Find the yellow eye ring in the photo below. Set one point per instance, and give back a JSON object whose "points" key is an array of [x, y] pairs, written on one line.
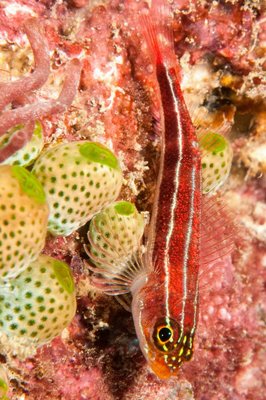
{"points": [[164, 334]]}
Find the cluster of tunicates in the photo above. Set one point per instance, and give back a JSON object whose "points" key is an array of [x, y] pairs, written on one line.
{"points": [[67, 185]]}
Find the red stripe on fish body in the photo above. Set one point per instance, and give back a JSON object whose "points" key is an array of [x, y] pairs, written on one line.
{"points": [[166, 306], [165, 300], [164, 285], [175, 243]]}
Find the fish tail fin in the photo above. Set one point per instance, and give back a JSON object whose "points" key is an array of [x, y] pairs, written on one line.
{"points": [[156, 27]]}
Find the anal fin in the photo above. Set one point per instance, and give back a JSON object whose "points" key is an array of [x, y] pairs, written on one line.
{"points": [[218, 230]]}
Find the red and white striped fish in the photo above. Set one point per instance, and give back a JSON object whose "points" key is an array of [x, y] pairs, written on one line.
{"points": [[165, 284], [165, 308]]}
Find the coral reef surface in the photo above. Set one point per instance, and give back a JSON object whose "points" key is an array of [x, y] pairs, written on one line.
{"points": [[221, 46]]}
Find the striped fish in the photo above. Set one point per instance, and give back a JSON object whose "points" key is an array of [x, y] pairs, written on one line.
{"points": [[165, 284], [173, 254]]}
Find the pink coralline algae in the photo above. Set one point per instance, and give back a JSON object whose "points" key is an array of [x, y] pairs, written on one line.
{"points": [[222, 49]]}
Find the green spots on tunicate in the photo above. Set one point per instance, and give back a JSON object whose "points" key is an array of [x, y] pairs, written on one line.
{"points": [[29, 184], [90, 179], [38, 313], [98, 153], [40, 299], [125, 208], [213, 142], [64, 276]]}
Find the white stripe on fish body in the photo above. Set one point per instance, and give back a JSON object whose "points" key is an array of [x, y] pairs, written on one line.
{"points": [[187, 244], [174, 200], [195, 305]]}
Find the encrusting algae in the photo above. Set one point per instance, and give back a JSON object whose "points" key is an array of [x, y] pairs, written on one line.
{"points": [[80, 182]]}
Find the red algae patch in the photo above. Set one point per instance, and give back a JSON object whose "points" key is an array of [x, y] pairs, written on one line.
{"points": [[222, 50]]}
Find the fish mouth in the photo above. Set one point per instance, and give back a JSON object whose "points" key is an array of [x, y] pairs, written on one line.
{"points": [[162, 370], [167, 365]]}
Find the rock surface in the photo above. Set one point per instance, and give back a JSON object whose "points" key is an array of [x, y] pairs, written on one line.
{"points": [[222, 50]]}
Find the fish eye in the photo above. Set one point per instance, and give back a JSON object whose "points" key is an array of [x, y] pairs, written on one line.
{"points": [[164, 333]]}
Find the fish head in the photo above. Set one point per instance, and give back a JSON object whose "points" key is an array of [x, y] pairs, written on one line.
{"points": [[162, 341], [167, 347]]}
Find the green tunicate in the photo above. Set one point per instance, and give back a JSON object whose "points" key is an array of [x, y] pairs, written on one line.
{"points": [[64, 275], [217, 154], [98, 153], [125, 208], [115, 237], [29, 184], [213, 142], [42, 300], [79, 179]]}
